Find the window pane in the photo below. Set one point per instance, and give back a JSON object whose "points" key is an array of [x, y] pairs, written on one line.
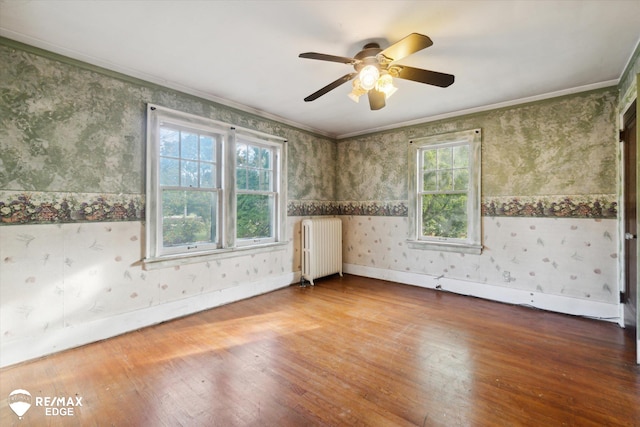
{"points": [[241, 155], [189, 218], [169, 172], [189, 174], [461, 156], [241, 179], [429, 160], [461, 179], [207, 175], [445, 180], [254, 216], [265, 155], [444, 215], [189, 146], [169, 142], [444, 158], [207, 148], [429, 182], [254, 179], [265, 181], [253, 156]]}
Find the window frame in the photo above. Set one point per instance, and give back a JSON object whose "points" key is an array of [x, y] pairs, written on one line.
{"points": [[472, 243], [219, 135], [156, 256], [276, 154]]}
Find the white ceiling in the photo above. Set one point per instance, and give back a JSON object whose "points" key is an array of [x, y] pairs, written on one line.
{"points": [[245, 53]]}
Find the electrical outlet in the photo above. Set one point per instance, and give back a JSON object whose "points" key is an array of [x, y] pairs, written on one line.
{"points": [[506, 275]]}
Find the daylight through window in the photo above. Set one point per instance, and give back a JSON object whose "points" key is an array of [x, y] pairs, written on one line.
{"points": [[445, 192], [211, 187]]}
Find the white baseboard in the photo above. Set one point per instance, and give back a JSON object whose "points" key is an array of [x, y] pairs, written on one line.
{"points": [[556, 303], [32, 347]]}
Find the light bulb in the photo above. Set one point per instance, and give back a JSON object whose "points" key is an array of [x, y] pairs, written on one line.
{"points": [[354, 97], [368, 77], [357, 91], [385, 84]]}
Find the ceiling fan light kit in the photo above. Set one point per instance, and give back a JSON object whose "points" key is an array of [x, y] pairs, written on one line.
{"points": [[369, 77], [375, 70]]}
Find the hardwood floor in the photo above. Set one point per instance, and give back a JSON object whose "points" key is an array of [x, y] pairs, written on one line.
{"points": [[349, 351]]}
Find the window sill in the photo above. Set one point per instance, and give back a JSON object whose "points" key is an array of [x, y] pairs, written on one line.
{"points": [[459, 247], [183, 259]]}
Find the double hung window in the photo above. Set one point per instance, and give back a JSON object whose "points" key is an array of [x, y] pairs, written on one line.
{"points": [[256, 197], [211, 188], [445, 192], [189, 187]]}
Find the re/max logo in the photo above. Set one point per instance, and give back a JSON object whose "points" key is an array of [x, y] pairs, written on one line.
{"points": [[59, 406], [58, 401]]}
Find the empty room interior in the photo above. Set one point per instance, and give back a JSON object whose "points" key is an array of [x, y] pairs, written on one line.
{"points": [[296, 213]]}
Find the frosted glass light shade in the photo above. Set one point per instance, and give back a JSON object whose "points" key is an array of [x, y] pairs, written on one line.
{"points": [[368, 77]]}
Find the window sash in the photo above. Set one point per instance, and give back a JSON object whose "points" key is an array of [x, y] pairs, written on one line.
{"points": [[248, 232], [194, 225], [424, 164], [220, 188], [440, 169], [245, 228]]}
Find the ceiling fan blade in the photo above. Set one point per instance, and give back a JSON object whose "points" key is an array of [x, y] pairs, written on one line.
{"points": [[425, 76], [324, 57], [330, 87], [376, 99], [405, 47]]}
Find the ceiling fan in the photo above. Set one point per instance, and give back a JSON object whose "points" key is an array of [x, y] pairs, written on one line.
{"points": [[375, 69]]}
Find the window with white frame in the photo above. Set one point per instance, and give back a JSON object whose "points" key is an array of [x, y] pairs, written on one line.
{"points": [[212, 188], [256, 198], [444, 189], [189, 188]]}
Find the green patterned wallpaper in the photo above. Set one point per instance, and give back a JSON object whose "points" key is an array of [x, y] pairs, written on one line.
{"points": [[72, 140], [549, 158], [628, 85], [561, 146]]}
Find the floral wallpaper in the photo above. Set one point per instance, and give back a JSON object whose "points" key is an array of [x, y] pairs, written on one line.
{"points": [[580, 206], [72, 140], [549, 199], [564, 206], [72, 143], [560, 146], [60, 275], [40, 207], [562, 256], [68, 127], [72, 149]]}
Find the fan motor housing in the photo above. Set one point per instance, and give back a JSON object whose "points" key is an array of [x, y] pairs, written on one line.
{"points": [[367, 56]]}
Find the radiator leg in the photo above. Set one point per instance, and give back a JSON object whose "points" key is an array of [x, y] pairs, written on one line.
{"points": [[302, 285]]}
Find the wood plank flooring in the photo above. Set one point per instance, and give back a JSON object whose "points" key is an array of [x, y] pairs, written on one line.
{"points": [[348, 352]]}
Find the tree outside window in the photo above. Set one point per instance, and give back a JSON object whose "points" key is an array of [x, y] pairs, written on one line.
{"points": [[211, 187], [445, 192]]}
